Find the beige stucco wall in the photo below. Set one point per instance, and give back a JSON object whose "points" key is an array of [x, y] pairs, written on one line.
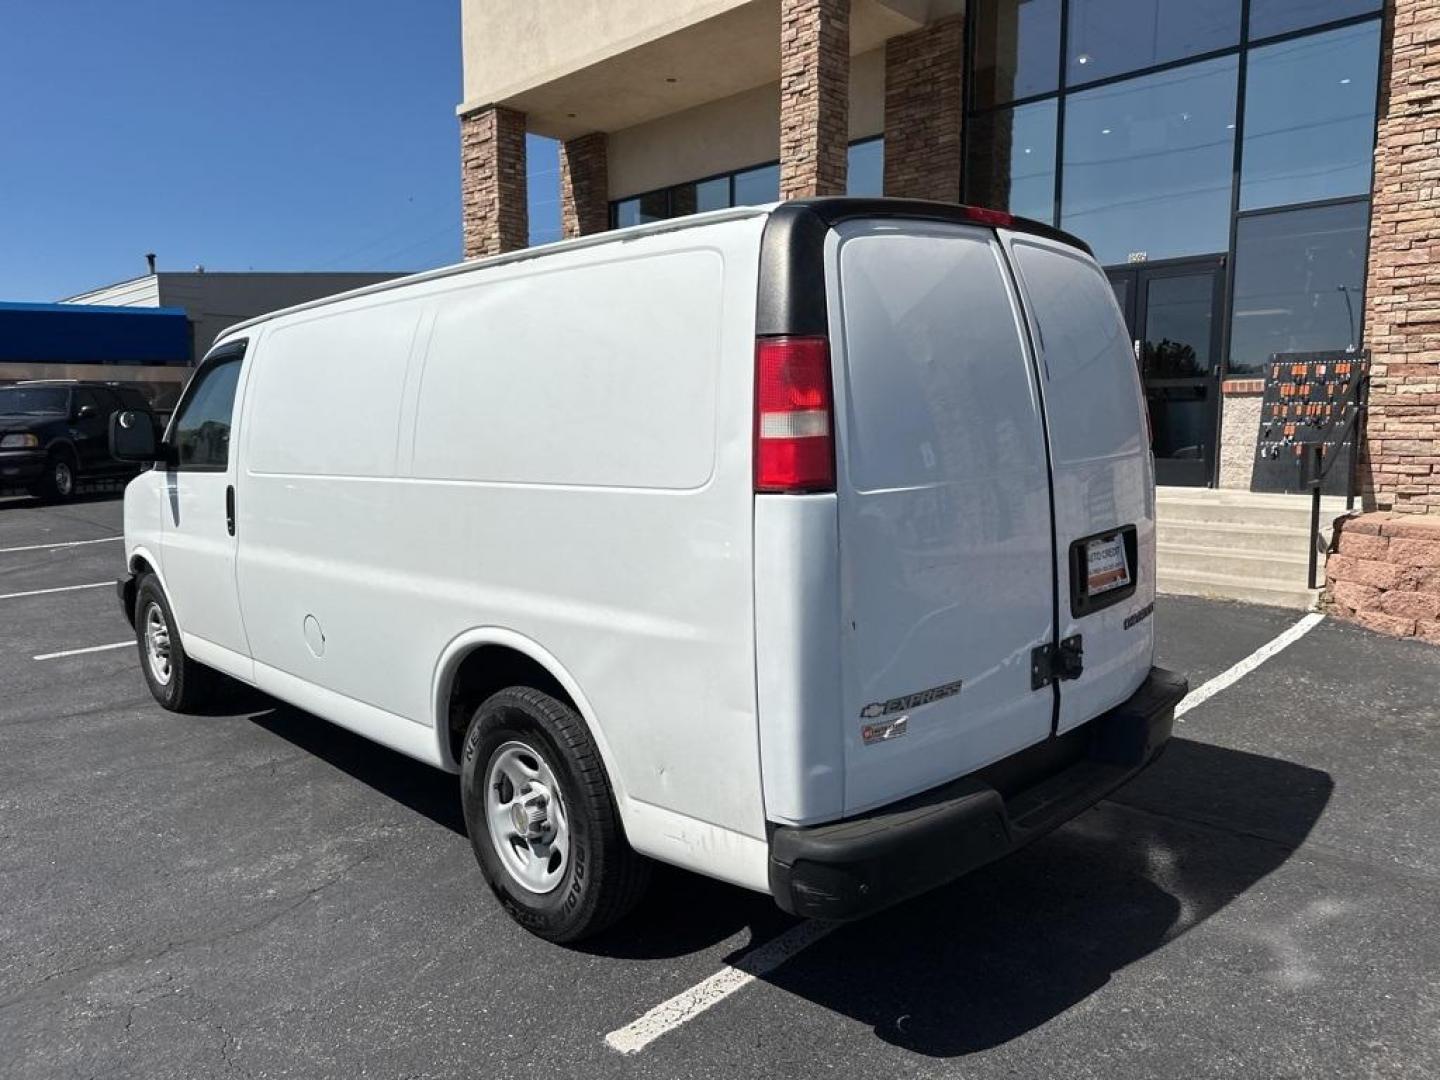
{"points": [[732, 133], [1239, 428], [512, 45]]}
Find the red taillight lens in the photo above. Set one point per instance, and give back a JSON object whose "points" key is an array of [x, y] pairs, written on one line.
{"points": [[794, 421], [981, 215]]}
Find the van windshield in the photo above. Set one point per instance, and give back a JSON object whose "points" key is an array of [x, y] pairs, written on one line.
{"points": [[33, 401]]}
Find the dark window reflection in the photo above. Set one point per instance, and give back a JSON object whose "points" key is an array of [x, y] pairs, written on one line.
{"points": [[202, 430], [865, 169], [1147, 163], [712, 194], [760, 185], [1268, 17], [1310, 117], [1017, 50], [1299, 282], [652, 207], [1011, 164], [1110, 37], [1179, 311]]}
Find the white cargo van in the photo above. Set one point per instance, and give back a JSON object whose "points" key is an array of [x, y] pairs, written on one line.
{"points": [[809, 547]]}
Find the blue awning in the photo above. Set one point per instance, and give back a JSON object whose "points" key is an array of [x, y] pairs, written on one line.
{"points": [[93, 334]]}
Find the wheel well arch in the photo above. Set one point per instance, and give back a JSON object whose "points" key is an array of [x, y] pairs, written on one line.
{"points": [[138, 563], [480, 662], [61, 446]]}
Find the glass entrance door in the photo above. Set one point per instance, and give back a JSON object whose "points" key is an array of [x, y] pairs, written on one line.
{"points": [[1173, 311]]}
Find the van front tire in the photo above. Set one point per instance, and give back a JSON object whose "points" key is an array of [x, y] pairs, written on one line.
{"points": [[542, 818], [176, 681]]}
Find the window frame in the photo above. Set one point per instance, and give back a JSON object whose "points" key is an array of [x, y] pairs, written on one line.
{"points": [[1241, 49], [231, 351]]}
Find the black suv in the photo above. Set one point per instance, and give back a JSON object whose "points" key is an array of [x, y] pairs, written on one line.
{"points": [[53, 434]]}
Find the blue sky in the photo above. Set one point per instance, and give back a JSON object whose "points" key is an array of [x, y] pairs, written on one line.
{"points": [[237, 134]]}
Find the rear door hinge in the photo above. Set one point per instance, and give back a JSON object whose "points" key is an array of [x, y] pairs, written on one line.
{"points": [[1051, 663]]}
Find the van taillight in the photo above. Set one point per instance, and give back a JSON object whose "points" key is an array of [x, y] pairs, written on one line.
{"points": [[794, 421]]}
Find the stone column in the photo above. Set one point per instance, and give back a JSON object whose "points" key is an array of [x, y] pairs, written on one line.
{"points": [[814, 97], [493, 206], [924, 101], [1401, 465], [584, 185]]}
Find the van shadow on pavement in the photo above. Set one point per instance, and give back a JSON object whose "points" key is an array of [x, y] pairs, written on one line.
{"points": [[999, 953], [995, 954]]}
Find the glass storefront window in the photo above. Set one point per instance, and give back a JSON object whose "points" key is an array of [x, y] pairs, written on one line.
{"points": [[1011, 161], [1146, 171], [1111, 37], [760, 185], [1270, 17], [1017, 50], [1310, 117], [1299, 282], [637, 211], [865, 168]]}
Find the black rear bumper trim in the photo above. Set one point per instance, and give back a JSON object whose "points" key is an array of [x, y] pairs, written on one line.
{"points": [[851, 868]]}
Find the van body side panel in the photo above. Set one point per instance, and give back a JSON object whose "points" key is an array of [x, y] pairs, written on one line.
{"points": [[322, 546], [797, 657], [946, 564], [1103, 470], [578, 473]]}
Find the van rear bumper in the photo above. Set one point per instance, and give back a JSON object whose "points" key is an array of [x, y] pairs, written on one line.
{"points": [[853, 867]]}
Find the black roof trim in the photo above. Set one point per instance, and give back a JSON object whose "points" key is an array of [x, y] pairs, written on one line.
{"points": [[791, 296]]}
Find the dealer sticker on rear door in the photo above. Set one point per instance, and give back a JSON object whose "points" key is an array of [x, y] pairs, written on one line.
{"points": [[1106, 567]]}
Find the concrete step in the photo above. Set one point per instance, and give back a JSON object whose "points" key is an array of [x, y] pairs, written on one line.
{"points": [[1286, 569], [1229, 587], [1234, 497], [1222, 537], [1295, 515]]}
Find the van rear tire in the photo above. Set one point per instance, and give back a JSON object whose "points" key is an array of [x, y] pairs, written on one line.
{"points": [[177, 682], [542, 818]]}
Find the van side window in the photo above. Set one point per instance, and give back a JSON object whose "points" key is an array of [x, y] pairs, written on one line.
{"points": [[201, 435]]}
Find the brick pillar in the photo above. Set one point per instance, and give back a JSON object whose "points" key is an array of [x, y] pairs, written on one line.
{"points": [[814, 97], [924, 110], [584, 185], [492, 181], [1401, 465]]}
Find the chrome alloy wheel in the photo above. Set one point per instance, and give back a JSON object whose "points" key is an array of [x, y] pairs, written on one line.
{"points": [[63, 477], [529, 828], [157, 644]]}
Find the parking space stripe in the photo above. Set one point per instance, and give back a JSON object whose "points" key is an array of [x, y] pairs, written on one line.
{"points": [[688, 1004], [1235, 672], [61, 588], [67, 543], [79, 652]]}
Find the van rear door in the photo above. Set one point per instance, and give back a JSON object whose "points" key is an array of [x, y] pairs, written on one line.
{"points": [[1102, 468], [946, 553]]}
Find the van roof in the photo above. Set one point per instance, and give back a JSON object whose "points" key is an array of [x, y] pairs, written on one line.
{"points": [[829, 210]]}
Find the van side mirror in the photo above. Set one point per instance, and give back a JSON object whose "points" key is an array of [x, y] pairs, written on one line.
{"points": [[84, 412], [132, 437]]}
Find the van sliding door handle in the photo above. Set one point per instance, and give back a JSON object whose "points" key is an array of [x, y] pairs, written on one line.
{"points": [[230, 509]]}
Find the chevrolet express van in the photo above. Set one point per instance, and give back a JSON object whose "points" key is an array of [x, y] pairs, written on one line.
{"points": [[809, 547]]}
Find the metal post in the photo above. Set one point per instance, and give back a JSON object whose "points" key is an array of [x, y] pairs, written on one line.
{"points": [[1316, 483]]}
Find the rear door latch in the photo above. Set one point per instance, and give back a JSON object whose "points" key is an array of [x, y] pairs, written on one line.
{"points": [[1051, 663]]}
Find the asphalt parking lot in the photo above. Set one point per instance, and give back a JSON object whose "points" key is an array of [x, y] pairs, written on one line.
{"points": [[257, 893]]}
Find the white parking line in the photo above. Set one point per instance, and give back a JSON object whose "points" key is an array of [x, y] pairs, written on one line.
{"points": [[1234, 673], [688, 1004], [78, 652], [62, 588], [67, 543]]}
